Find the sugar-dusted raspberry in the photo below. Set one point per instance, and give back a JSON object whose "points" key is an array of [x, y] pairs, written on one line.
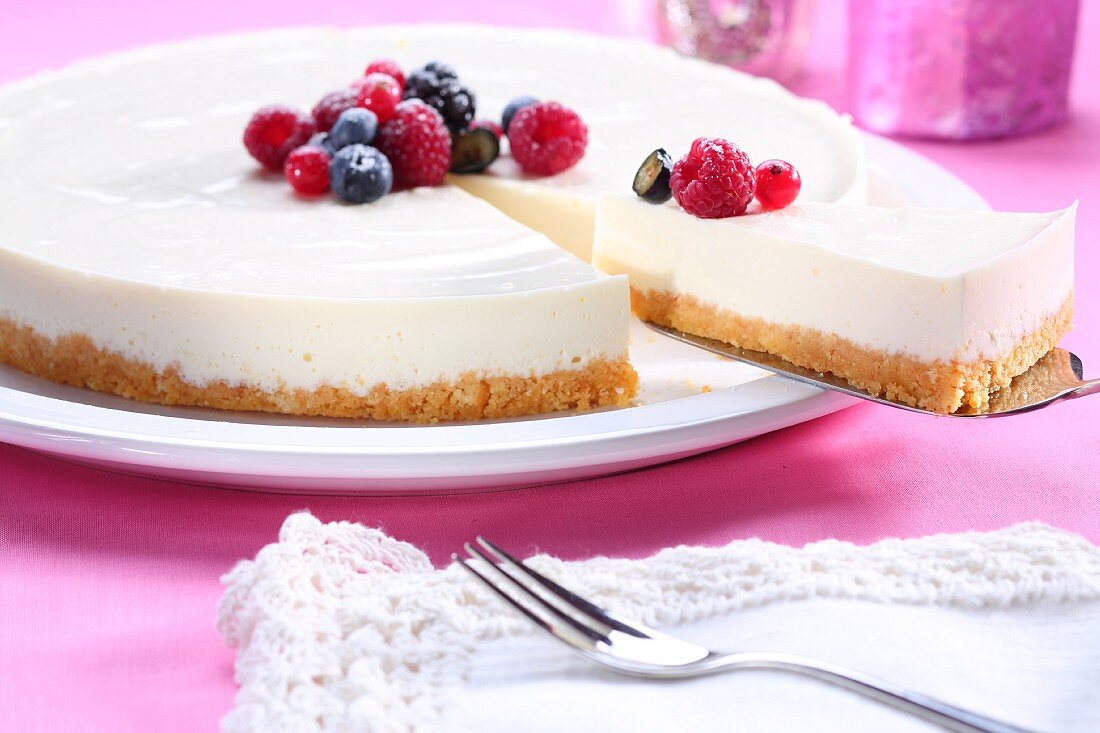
{"points": [[417, 143], [387, 66], [487, 125], [714, 180], [547, 138], [274, 131], [777, 184], [379, 93], [327, 111], [306, 169]]}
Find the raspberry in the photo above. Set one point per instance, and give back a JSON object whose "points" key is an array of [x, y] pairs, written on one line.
{"points": [[547, 138], [274, 131], [379, 93], [306, 170], [326, 112], [389, 67], [487, 125], [417, 143], [714, 180], [777, 184]]}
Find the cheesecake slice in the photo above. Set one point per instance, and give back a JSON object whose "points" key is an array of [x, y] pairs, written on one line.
{"points": [[932, 307]]}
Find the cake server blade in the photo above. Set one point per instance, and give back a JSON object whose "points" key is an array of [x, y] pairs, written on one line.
{"points": [[1055, 377]]}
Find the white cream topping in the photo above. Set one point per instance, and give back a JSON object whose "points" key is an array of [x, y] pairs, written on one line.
{"points": [[935, 284], [133, 214]]}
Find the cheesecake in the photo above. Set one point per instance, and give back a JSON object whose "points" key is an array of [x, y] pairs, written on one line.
{"points": [[935, 308], [143, 253]]}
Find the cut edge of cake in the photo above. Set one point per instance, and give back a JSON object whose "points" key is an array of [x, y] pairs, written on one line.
{"points": [[75, 360], [970, 332], [939, 386]]}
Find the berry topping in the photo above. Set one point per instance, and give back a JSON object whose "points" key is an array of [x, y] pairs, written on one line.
{"points": [[473, 150], [274, 131], [388, 67], [306, 170], [510, 111], [777, 184], [379, 93], [547, 138], [355, 125], [438, 85], [331, 105], [417, 143], [651, 180], [487, 125], [714, 180], [360, 174]]}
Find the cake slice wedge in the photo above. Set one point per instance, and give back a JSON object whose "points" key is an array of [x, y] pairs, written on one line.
{"points": [[936, 308]]}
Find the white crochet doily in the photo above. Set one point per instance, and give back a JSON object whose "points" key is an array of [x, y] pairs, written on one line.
{"points": [[341, 628]]}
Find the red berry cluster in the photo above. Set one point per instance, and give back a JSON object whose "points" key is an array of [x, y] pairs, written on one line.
{"points": [[716, 179]]}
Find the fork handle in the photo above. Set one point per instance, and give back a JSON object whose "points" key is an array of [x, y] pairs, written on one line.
{"points": [[928, 708], [1091, 386]]}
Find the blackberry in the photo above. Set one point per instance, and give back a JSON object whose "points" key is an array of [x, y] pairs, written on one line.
{"points": [[437, 84]]}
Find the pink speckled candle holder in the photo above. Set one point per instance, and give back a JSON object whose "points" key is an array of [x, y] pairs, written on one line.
{"points": [[763, 37], [960, 69]]}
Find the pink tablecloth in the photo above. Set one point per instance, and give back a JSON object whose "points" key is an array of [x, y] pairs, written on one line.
{"points": [[109, 583]]}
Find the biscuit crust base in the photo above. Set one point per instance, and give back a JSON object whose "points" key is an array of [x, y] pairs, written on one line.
{"points": [[74, 359], [941, 386]]}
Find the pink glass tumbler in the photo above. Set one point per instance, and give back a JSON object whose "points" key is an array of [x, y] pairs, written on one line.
{"points": [[960, 69]]}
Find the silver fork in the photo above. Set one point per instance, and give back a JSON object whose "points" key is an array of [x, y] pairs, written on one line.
{"points": [[630, 648]]}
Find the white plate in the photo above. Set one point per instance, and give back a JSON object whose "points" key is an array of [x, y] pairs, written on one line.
{"points": [[677, 417]]}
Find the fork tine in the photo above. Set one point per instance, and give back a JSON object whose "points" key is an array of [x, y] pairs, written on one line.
{"points": [[555, 614], [538, 620], [569, 597]]}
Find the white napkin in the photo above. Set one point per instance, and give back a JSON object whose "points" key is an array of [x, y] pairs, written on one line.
{"points": [[342, 628]]}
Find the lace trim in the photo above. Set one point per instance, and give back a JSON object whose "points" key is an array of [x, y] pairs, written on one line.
{"points": [[341, 627]]}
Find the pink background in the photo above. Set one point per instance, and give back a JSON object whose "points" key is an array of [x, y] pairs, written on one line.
{"points": [[109, 583]]}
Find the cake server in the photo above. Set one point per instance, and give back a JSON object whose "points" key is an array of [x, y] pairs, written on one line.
{"points": [[627, 647], [1055, 377]]}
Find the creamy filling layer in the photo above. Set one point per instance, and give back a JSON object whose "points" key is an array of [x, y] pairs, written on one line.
{"points": [[933, 285], [275, 342]]}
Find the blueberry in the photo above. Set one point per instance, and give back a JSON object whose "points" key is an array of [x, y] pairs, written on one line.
{"points": [[355, 125], [514, 106], [473, 150], [651, 182], [360, 174], [321, 140]]}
